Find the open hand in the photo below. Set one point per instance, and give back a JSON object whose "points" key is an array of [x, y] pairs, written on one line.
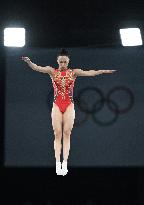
{"points": [[26, 59], [109, 71]]}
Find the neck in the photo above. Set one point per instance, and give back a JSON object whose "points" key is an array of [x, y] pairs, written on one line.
{"points": [[62, 69]]}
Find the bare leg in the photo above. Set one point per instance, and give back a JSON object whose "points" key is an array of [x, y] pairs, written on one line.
{"points": [[57, 127], [66, 146], [57, 146]]}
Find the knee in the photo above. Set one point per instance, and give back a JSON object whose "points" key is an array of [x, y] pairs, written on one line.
{"points": [[58, 133], [67, 132]]}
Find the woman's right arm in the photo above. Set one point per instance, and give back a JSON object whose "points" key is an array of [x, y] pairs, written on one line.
{"points": [[46, 69]]}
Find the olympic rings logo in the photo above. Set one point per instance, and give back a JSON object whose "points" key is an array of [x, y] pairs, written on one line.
{"points": [[97, 106]]}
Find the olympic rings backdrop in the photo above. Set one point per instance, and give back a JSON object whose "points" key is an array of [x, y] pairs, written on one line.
{"points": [[108, 127]]}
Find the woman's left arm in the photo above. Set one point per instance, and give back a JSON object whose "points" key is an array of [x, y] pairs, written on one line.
{"points": [[80, 72], [98, 72]]}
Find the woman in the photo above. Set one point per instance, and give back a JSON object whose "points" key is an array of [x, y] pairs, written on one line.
{"points": [[63, 112]]}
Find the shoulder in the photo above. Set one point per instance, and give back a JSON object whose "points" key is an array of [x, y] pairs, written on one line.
{"points": [[50, 70], [77, 71]]}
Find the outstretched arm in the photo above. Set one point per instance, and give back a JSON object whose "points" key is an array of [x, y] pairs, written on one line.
{"points": [[80, 72], [46, 69]]}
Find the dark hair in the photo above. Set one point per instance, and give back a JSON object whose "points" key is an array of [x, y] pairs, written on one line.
{"points": [[63, 52]]}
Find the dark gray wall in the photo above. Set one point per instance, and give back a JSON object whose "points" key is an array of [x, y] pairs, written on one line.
{"points": [[29, 95]]}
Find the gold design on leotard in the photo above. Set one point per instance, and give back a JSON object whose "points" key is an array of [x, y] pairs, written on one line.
{"points": [[62, 81]]}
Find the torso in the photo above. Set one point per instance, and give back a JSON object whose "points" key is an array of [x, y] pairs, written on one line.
{"points": [[63, 83]]}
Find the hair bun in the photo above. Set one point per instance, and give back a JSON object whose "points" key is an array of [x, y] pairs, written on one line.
{"points": [[63, 52]]}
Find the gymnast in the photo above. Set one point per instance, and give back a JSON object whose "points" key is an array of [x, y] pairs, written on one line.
{"points": [[63, 112]]}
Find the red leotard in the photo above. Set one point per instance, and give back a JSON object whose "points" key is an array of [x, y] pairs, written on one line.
{"points": [[63, 83]]}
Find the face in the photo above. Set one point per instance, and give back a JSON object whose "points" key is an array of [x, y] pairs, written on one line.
{"points": [[63, 62]]}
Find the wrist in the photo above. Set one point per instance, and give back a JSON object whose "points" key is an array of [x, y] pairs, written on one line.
{"points": [[29, 62], [101, 71]]}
